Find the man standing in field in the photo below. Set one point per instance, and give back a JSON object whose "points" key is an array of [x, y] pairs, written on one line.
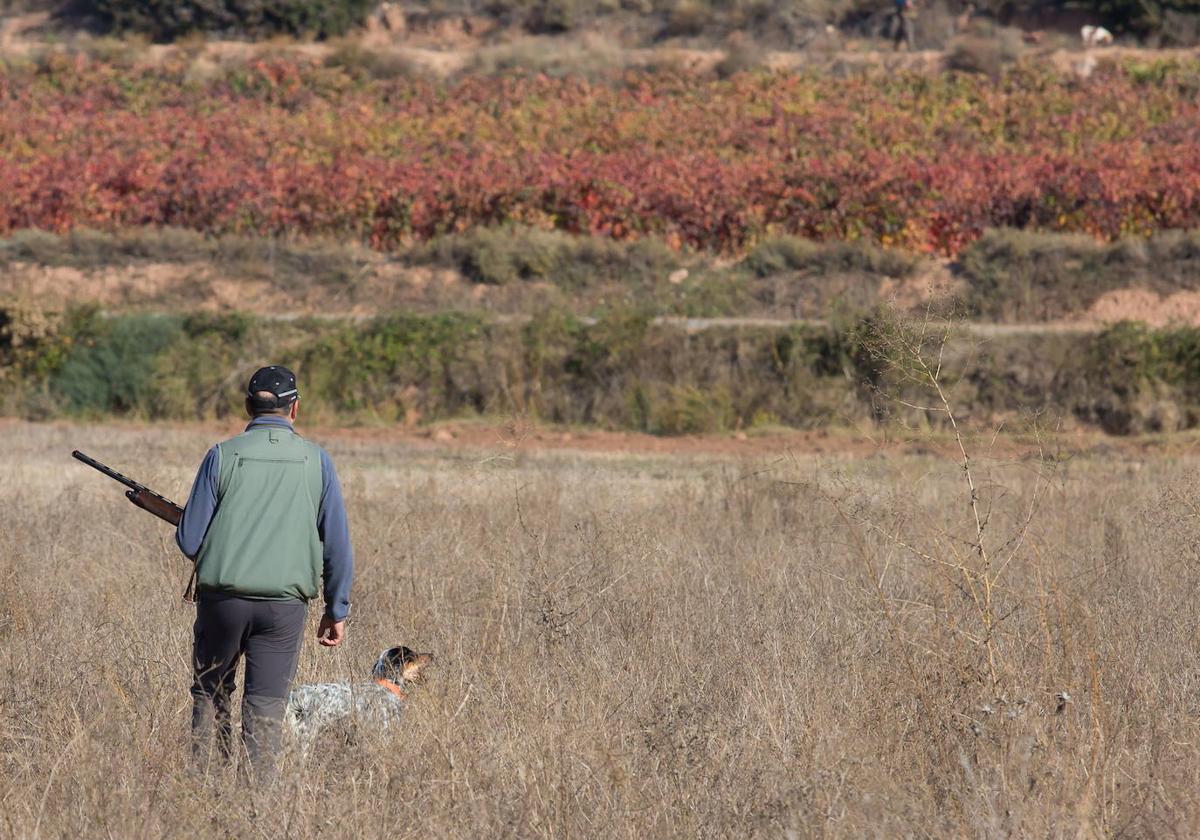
{"points": [[902, 24], [265, 524]]}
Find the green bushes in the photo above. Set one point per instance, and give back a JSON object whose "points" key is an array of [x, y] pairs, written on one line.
{"points": [[398, 366], [1172, 21], [775, 23], [1024, 277], [201, 373], [110, 365], [187, 366], [621, 372], [689, 410], [86, 249], [166, 20], [1143, 380], [791, 253], [244, 256], [510, 254]]}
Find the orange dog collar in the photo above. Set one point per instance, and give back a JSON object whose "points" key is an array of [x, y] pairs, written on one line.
{"points": [[392, 687]]}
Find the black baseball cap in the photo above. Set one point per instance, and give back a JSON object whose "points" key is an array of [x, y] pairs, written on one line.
{"points": [[275, 380]]}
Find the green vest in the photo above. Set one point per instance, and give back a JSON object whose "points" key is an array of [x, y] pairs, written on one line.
{"points": [[262, 541]]}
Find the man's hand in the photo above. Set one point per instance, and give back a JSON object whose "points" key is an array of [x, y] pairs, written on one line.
{"points": [[329, 632]]}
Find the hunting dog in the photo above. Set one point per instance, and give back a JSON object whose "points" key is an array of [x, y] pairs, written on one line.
{"points": [[378, 704]]}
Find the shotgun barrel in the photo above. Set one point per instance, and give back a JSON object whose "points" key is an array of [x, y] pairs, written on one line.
{"points": [[147, 500], [139, 494], [107, 470]]}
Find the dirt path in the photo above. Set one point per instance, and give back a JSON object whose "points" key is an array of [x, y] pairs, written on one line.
{"points": [[508, 438]]}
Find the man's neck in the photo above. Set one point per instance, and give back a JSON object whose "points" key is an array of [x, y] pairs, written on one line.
{"points": [[270, 420]]}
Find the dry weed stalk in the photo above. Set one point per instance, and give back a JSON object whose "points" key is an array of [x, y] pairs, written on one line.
{"points": [[912, 354]]}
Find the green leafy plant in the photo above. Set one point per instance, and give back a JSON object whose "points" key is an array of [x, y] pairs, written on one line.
{"points": [[166, 20]]}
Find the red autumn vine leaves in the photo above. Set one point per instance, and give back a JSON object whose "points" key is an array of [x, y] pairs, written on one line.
{"points": [[285, 147]]}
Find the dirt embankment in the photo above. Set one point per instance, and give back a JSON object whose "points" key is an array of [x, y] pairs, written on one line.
{"points": [[207, 288], [508, 438], [451, 45], [385, 286]]}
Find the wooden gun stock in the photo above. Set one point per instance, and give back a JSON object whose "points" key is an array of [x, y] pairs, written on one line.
{"points": [[140, 495], [153, 503]]}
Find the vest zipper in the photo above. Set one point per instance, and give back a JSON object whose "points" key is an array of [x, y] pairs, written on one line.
{"points": [[242, 460]]}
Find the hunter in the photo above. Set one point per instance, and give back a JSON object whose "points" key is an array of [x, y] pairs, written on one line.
{"points": [[266, 526], [903, 13]]}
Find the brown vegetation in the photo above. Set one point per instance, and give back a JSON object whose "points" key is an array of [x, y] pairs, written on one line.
{"points": [[1007, 277], [632, 646]]}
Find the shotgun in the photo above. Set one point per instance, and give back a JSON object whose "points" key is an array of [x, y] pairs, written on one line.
{"points": [[140, 495], [147, 500]]}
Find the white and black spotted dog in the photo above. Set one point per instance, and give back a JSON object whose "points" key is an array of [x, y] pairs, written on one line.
{"points": [[378, 704]]}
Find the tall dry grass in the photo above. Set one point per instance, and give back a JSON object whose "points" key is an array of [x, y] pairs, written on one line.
{"points": [[635, 648]]}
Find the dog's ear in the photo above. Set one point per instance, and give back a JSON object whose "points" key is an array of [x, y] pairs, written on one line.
{"points": [[390, 663], [414, 664], [397, 656]]}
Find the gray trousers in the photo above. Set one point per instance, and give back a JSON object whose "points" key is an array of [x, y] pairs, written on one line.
{"points": [[902, 28], [268, 634]]}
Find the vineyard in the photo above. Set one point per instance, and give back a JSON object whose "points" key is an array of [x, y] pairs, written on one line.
{"points": [[285, 147]]}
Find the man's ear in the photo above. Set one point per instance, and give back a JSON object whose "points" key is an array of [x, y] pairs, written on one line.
{"points": [[294, 410], [249, 410]]}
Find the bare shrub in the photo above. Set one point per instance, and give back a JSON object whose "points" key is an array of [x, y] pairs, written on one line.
{"points": [[364, 63], [741, 56], [986, 51], [590, 55]]}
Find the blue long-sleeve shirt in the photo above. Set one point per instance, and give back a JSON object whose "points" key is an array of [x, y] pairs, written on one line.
{"points": [[332, 526]]}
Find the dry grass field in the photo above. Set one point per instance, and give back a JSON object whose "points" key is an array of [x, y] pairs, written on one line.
{"points": [[636, 646]]}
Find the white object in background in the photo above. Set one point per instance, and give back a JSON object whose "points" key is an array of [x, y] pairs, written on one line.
{"points": [[1095, 36]]}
